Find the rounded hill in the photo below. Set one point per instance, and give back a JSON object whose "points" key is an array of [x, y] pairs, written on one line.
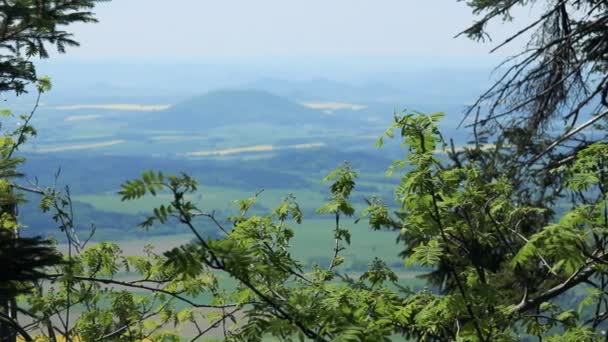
{"points": [[233, 107]]}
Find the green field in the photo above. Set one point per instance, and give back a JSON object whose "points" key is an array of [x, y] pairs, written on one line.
{"points": [[313, 240], [95, 168], [208, 198]]}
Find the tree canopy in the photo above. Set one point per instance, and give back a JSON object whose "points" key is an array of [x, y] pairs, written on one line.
{"points": [[512, 230], [27, 30]]}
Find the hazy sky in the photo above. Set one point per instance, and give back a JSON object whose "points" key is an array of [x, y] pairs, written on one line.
{"points": [[260, 30]]}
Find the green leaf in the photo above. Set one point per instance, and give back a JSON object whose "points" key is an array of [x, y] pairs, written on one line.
{"points": [[426, 255]]}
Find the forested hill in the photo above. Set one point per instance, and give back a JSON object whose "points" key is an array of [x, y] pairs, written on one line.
{"points": [[229, 107]]}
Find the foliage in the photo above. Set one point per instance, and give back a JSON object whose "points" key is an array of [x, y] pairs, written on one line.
{"points": [[512, 231], [23, 259], [27, 29]]}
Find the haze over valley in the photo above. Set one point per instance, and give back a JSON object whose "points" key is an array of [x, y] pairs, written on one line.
{"points": [[260, 133]]}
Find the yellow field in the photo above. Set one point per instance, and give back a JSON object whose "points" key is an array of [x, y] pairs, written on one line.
{"points": [[175, 138], [79, 147], [462, 148], [81, 118], [253, 149], [136, 247], [331, 106], [117, 106]]}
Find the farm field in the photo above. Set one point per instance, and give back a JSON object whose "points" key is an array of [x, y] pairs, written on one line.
{"points": [[275, 156], [99, 146], [313, 239]]}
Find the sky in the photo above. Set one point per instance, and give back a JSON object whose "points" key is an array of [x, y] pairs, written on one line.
{"points": [[162, 47], [260, 31]]}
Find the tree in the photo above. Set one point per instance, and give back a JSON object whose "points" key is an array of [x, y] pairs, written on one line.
{"points": [[552, 90], [27, 29], [512, 228]]}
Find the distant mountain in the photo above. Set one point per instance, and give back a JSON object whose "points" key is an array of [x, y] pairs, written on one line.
{"points": [[423, 87], [326, 90], [229, 107]]}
